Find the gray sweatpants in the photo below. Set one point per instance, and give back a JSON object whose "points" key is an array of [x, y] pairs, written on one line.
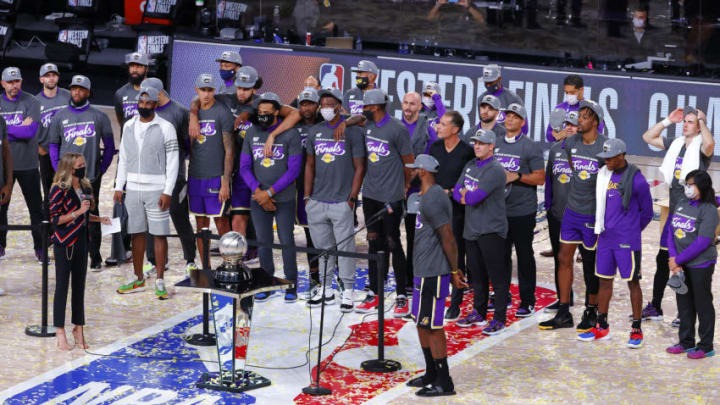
{"points": [[330, 223]]}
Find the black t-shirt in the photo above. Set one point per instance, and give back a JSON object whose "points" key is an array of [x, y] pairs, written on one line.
{"points": [[451, 163]]}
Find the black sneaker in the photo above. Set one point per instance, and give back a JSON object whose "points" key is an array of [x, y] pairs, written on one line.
{"points": [[452, 313], [553, 308], [588, 321], [560, 320], [436, 390], [419, 382], [317, 299], [96, 263]]}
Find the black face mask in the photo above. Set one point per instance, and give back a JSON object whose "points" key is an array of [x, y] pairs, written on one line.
{"points": [[79, 172], [362, 82], [369, 115], [145, 112], [493, 88], [265, 120], [135, 80], [79, 104]]}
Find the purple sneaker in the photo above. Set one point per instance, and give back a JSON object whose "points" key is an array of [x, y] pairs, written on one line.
{"points": [[2, 252], [699, 354], [651, 313], [494, 328], [474, 319], [39, 255], [678, 349], [524, 312], [491, 302]]}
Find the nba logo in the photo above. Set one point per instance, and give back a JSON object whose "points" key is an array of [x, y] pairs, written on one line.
{"points": [[331, 76], [142, 44]]}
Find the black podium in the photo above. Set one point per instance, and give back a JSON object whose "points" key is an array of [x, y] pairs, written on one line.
{"points": [[231, 308]]}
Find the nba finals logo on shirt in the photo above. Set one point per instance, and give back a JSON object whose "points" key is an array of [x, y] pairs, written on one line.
{"points": [[509, 162], [332, 76], [678, 167], [207, 128], [77, 133], [376, 149], [243, 128], [129, 107], [328, 150], [562, 170], [259, 154], [682, 225], [14, 118], [585, 167], [470, 184], [418, 222]]}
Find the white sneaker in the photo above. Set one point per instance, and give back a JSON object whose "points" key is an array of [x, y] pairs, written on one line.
{"points": [[160, 291], [149, 270], [190, 267], [2, 292], [317, 298], [346, 303]]}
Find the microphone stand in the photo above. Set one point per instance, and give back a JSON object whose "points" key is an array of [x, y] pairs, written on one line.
{"points": [[316, 388]]}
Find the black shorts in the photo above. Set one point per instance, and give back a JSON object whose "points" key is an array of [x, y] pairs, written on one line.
{"points": [[428, 301]]}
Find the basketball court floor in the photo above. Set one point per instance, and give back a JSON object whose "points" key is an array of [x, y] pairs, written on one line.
{"points": [[137, 354]]}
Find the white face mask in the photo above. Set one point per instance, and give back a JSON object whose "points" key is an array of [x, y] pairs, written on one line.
{"points": [[428, 102], [327, 113], [571, 99], [690, 192], [638, 22]]}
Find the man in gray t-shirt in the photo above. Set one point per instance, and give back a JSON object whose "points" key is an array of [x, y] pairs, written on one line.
{"points": [[436, 266], [367, 74], [21, 112], [52, 98], [334, 172], [125, 99], [522, 159]]}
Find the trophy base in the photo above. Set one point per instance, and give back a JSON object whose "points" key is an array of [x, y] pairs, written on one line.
{"points": [[242, 381]]}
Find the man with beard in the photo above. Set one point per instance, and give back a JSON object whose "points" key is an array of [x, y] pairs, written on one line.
{"points": [[367, 74], [52, 99], [492, 77], [126, 96], [6, 172], [230, 62], [488, 112], [21, 112], [574, 88], [79, 128]]}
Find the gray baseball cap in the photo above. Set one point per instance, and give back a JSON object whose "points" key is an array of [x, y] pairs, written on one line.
{"points": [[138, 58], [246, 77], [154, 83], [431, 86], [230, 56], [688, 109], [425, 162], [271, 97], [595, 107], [205, 80], [80, 81], [491, 73], [677, 283], [491, 100], [334, 93], [572, 117], [367, 66], [309, 94], [612, 147], [484, 136], [47, 68], [11, 73], [518, 109], [151, 93], [374, 97]]}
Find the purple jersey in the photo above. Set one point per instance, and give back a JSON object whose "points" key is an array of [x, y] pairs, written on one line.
{"points": [[623, 227]]}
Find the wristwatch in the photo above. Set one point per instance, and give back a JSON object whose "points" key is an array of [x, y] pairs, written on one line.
{"points": [[519, 176], [353, 200]]}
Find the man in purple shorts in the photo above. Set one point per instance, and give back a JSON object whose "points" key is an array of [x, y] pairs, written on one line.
{"points": [[435, 257], [578, 223], [624, 208], [211, 160]]}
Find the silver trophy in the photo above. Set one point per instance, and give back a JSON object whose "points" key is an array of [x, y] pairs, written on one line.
{"points": [[233, 273]]}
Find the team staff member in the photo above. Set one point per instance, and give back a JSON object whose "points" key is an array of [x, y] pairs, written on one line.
{"points": [[452, 154], [148, 166], [578, 220], [434, 108], [334, 172], [623, 210], [70, 203], [492, 77], [126, 96], [574, 88], [387, 144], [52, 99], [177, 115], [481, 188], [211, 159], [272, 180], [21, 112], [557, 187], [488, 114], [80, 128], [693, 150], [367, 74], [522, 159], [230, 62], [436, 264], [692, 252], [6, 171]]}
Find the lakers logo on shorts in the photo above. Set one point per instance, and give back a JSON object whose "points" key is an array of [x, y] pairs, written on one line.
{"points": [[679, 233], [425, 321], [267, 162], [373, 157], [201, 139], [79, 141], [328, 157], [242, 134], [584, 175], [563, 178]]}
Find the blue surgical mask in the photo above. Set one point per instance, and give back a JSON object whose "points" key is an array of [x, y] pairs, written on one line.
{"points": [[226, 74]]}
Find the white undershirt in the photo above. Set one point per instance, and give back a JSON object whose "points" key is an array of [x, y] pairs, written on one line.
{"points": [[140, 128]]}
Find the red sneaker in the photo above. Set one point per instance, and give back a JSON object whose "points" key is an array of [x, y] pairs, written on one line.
{"points": [[402, 308], [596, 333], [368, 305]]}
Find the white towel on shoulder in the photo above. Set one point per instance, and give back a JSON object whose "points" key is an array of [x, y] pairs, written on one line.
{"points": [[691, 160], [601, 187]]}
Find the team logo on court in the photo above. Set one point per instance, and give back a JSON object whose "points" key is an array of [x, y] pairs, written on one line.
{"points": [[332, 76]]}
